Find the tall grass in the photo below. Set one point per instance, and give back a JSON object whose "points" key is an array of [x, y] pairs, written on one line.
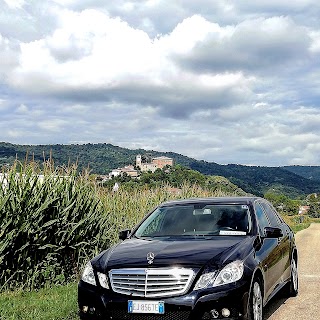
{"points": [[49, 225]]}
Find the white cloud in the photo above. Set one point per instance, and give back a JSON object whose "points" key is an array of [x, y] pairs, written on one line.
{"points": [[117, 62], [15, 4], [22, 109], [54, 125], [315, 45], [252, 45], [88, 49], [8, 56]]}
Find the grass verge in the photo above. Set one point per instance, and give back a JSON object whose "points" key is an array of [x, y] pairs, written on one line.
{"points": [[298, 223], [54, 303]]}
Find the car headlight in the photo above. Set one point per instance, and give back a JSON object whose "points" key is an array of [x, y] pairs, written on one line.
{"points": [[103, 279], [230, 273], [88, 274]]}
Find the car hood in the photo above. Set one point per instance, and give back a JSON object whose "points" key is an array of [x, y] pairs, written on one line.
{"points": [[132, 253]]}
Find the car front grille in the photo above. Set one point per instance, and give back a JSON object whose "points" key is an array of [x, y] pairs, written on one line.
{"points": [[151, 282]]}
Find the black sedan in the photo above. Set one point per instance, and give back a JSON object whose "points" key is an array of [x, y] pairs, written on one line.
{"points": [[211, 258]]}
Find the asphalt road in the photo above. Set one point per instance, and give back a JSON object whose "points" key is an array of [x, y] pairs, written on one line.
{"points": [[307, 304]]}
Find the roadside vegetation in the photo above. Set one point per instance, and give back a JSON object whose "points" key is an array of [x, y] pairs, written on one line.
{"points": [[49, 226], [54, 219]]}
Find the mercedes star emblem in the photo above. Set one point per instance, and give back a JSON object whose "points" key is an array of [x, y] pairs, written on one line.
{"points": [[150, 257]]}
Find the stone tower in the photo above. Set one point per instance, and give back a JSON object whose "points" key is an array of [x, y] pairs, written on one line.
{"points": [[138, 160]]}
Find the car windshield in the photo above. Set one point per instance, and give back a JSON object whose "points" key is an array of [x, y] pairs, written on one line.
{"points": [[197, 220]]}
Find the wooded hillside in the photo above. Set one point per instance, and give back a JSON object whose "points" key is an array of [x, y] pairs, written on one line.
{"points": [[102, 158]]}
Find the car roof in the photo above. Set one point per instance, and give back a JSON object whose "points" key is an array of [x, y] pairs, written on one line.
{"points": [[217, 200]]}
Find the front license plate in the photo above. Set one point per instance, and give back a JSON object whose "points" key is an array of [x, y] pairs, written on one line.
{"points": [[142, 306]]}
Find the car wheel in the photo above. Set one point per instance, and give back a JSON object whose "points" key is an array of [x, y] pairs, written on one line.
{"points": [[255, 310], [293, 285]]}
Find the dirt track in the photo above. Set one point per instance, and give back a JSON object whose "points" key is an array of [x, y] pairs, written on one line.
{"points": [[307, 304]]}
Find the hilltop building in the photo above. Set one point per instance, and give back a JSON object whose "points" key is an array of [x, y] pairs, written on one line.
{"points": [[129, 170], [156, 163]]}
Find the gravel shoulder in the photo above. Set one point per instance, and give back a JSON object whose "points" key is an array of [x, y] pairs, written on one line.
{"points": [[307, 304]]}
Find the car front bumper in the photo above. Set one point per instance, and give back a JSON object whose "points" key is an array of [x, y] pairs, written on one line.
{"points": [[98, 303]]}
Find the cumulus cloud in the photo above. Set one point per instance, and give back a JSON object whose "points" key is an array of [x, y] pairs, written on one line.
{"points": [[94, 57], [161, 17], [253, 45], [8, 57], [14, 4], [88, 49], [26, 20]]}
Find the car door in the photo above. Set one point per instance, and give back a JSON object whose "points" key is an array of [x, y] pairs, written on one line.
{"points": [[269, 253], [283, 242]]}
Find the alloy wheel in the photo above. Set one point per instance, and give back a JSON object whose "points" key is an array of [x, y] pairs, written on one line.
{"points": [[294, 275], [257, 304]]}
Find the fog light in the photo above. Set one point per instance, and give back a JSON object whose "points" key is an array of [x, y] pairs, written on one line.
{"points": [[85, 309], [214, 314], [225, 312]]}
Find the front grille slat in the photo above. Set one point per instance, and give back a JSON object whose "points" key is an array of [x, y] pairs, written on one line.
{"points": [[129, 288], [151, 282]]}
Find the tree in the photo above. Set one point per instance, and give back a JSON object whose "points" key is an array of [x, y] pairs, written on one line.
{"points": [[314, 203], [282, 203]]}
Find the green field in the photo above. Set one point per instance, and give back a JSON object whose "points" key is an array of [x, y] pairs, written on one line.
{"points": [[55, 303]]}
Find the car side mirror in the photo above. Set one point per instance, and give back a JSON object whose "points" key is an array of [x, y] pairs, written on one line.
{"points": [[124, 234], [271, 232]]}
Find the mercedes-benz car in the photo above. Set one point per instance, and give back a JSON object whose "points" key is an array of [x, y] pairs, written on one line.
{"points": [[211, 258]]}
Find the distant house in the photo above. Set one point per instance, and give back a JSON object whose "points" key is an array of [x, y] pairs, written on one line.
{"points": [[304, 209], [156, 163], [129, 170], [161, 162], [115, 173]]}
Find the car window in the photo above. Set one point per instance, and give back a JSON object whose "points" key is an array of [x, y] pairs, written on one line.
{"points": [[261, 217], [272, 216], [197, 219]]}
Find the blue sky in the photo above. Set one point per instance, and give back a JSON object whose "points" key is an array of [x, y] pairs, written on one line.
{"points": [[223, 81]]}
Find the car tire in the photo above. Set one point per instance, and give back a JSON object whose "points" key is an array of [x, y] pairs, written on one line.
{"points": [[293, 285], [255, 306]]}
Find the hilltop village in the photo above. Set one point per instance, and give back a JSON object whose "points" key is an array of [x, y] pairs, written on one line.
{"points": [[141, 166]]}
